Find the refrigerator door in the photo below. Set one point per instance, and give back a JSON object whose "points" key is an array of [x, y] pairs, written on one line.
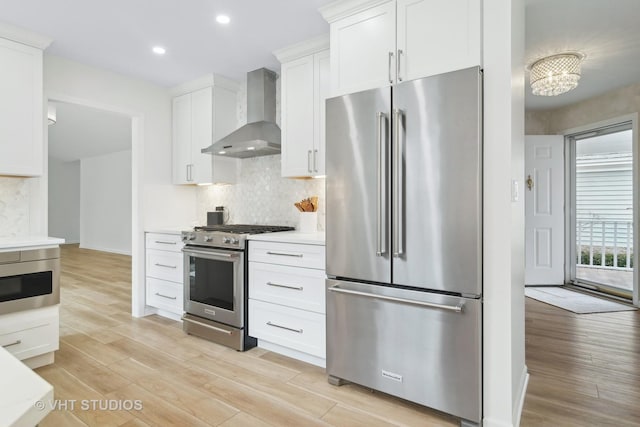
{"points": [[437, 201], [419, 346], [357, 165]]}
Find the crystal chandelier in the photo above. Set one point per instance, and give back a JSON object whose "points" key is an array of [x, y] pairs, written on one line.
{"points": [[555, 74]]}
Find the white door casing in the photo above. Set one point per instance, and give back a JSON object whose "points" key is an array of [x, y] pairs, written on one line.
{"points": [[544, 210]]}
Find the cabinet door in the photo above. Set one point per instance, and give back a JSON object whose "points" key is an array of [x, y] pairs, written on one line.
{"points": [[322, 82], [182, 139], [201, 134], [297, 117], [225, 121], [437, 36], [363, 50], [21, 112]]}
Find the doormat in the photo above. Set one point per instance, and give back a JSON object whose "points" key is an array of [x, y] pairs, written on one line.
{"points": [[576, 302]]}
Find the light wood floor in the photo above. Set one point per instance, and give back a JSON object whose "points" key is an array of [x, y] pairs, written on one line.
{"points": [[583, 368]]}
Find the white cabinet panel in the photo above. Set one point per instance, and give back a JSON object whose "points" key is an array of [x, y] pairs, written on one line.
{"points": [[322, 81], [303, 288], [201, 134], [361, 46], [437, 36], [182, 139], [289, 327], [21, 110]]}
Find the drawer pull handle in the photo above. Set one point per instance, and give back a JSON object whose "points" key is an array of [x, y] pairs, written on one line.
{"points": [[165, 243], [284, 254], [157, 264], [284, 327], [165, 296], [12, 344], [278, 285]]}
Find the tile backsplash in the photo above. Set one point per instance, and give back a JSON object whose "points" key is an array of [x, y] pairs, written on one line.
{"points": [[14, 207], [261, 195]]}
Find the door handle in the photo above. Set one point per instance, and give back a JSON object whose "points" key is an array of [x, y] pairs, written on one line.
{"points": [[309, 161], [398, 188], [455, 308], [381, 217], [529, 183]]}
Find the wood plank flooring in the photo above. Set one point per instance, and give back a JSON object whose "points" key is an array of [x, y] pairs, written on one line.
{"points": [[583, 368]]}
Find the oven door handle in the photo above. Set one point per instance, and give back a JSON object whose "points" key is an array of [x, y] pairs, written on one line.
{"points": [[210, 254]]}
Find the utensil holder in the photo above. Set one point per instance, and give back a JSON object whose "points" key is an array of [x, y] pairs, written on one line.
{"points": [[308, 222]]}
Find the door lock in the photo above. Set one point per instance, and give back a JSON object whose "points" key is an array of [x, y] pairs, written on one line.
{"points": [[529, 183]]}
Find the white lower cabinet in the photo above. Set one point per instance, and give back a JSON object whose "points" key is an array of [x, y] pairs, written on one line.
{"points": [[32, 335], [164, 274], [287, 299]]}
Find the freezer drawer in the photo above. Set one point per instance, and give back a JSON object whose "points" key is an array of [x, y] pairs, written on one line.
{"points": [[419, 346]]}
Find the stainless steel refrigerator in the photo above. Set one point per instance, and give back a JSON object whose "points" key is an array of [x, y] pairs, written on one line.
{"points": [[404, 241]]}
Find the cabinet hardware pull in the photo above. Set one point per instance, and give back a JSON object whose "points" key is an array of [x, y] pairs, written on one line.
{"points": [[390, 61], [165, 243], [284, 254], [399, 60], [309, 161], [12, 344], [455, 308], [278, 285], [165, 265], [275, 325], [165, 296], [315, 160]]}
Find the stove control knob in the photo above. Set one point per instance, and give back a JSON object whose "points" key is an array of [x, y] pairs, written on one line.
{"points": [[235, 241], [208, 238], [226, 240], [192, 237]]}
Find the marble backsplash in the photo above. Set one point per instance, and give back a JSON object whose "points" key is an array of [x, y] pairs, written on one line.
{"points": [[14, 207], [261, 195]]}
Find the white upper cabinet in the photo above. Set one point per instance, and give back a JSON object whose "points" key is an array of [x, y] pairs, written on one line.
{"points": [[382, 42], [304, 88], [201, 117], [22, 118]]}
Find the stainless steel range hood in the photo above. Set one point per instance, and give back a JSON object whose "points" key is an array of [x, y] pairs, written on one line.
{"points": [[261, 135]]}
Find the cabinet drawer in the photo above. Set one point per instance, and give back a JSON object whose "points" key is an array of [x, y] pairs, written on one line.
{"points": [[296, 255], [165, 295], [34, 340], [302, 288], [288, 327], [165, 265], [164, 242]]}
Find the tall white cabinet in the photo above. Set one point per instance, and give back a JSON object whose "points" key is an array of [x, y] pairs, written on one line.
{"points": [[305, 85], [203, 112], [376, 43], [22, 117]]}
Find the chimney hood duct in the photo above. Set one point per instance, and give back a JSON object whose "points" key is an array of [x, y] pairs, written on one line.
{"points": [[261, 135]]}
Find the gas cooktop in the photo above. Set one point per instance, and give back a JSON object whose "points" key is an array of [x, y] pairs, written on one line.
{"points": [[231, 236], [244, 228]]}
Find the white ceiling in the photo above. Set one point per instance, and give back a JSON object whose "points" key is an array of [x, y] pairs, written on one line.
{"points": [[82, 132], [607, 31], [118, 35]]}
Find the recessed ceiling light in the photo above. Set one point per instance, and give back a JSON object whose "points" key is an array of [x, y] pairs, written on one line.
{"points": [[222, 152], [223, 19], [159, 50], [251, 148]]}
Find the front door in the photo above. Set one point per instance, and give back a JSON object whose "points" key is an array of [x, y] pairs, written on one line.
{"points": [[544, 210]]}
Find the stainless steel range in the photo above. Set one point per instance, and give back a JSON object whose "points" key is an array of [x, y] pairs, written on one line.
{"points": [[216, 283]]}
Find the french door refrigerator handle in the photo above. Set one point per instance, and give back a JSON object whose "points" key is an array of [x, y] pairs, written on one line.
{"points": [[455, 308], [398, 199], [381, 217]]}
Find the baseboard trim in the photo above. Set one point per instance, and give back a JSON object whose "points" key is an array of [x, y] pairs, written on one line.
{"points": [[522, 392], [113, 251]]}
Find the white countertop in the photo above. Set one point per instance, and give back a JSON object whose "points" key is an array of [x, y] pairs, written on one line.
{"points": [[28, 242], [25, 398], [168, 230], [291, 237]]}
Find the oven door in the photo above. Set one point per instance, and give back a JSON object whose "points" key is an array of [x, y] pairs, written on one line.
{"points": [[214, 284]]}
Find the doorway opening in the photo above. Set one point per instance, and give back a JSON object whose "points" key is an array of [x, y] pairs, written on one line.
{"points": [[601, 230]]}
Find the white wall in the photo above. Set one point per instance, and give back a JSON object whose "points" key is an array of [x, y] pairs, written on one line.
{"points": [[64, 200], [14, 207], [105, 203], [156, 202], [504, 370]]}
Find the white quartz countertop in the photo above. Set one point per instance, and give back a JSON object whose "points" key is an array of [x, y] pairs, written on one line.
{"points": [[25, 398], [169, 230], [28, 242], [291, 237]]}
